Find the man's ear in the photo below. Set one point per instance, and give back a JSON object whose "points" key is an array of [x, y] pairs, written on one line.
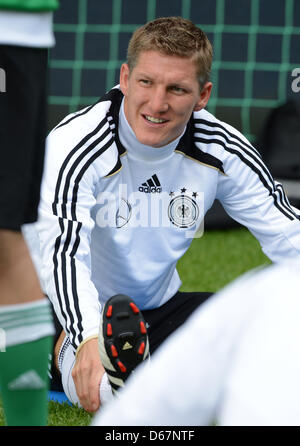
{"points": [[204, 97], [124, 76]]}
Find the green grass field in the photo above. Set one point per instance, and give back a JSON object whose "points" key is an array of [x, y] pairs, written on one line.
{"points": [[211, 262]]}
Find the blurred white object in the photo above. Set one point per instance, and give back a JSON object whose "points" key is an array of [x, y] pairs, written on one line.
{"points": [[236, 361]]}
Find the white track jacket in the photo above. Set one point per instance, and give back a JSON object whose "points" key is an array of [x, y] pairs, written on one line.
{"points": [[115, 216]]}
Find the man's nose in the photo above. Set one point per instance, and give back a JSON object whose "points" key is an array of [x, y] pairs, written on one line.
{"points": [[159, 100]]}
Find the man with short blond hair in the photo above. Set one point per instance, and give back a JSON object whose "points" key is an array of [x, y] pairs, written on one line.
{"points": [[173, 36], [127, 183]]}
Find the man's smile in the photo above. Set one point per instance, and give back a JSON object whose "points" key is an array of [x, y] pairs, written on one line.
{"points": [[154, 120]]}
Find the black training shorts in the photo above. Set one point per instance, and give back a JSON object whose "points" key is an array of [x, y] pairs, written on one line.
{"points": [[164, 320], [23, 107]]}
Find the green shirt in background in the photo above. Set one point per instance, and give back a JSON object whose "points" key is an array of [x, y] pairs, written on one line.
{"points": [[29, 5]]}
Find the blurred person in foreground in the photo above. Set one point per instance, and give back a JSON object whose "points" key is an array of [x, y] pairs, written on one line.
{"points": [[26, 326], [235, 362]]}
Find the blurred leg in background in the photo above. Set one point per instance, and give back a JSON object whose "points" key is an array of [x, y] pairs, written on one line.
{"points": [[26, 326]]}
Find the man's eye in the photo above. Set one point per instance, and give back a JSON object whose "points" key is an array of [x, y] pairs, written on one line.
{"points": [[144, 81], [177, 89]]}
